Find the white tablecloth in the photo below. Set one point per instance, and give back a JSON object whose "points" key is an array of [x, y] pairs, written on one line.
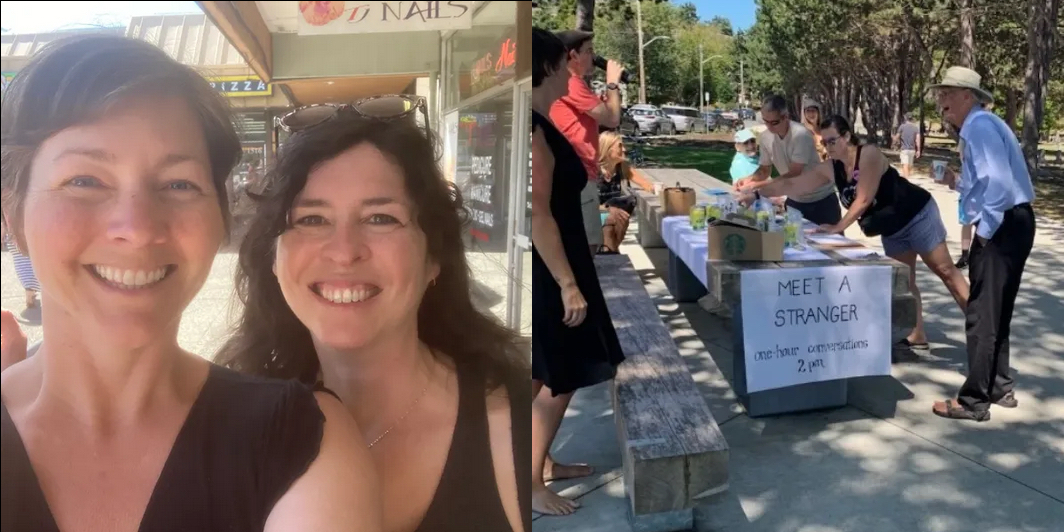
{"points": [[692, 247]]}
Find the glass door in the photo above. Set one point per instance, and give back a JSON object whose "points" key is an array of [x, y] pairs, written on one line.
{"points": [[519, 292]]}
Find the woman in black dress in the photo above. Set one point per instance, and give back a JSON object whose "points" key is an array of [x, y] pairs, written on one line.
{"points": [[574, 344], [115, 159]]}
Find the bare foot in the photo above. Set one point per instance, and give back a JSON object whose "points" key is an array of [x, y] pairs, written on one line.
{"points": [[554, 471], [547, 502]]}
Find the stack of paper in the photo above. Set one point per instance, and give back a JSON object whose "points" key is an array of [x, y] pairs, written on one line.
{"points": [[832, 241]]}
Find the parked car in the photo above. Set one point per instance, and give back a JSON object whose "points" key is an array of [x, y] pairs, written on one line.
{"points": [[722, 122], [686, 119], [652, 120], [629, 127]]}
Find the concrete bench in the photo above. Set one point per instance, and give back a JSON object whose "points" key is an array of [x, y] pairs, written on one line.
{"points": [[673, 451]]}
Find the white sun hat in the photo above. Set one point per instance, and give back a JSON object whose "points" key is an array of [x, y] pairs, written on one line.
{"points": [[964, 78]]}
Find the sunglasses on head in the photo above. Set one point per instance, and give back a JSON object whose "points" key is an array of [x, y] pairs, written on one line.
{"points": [[386, 108]]}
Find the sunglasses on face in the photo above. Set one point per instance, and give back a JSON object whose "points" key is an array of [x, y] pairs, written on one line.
{"points": [[827, 143], [385, 108]]}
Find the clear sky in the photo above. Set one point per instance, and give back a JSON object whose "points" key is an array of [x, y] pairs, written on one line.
{"points": [[37, 17], [739, 12]]}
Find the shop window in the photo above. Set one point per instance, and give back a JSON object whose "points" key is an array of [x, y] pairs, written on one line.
{"points": [[482, 169], [484, 56]]}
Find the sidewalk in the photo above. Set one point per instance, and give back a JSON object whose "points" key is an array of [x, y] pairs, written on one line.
{"points": [[886, 464]]}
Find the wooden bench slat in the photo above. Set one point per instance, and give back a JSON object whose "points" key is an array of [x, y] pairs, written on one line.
{"points": [[673, 449]]}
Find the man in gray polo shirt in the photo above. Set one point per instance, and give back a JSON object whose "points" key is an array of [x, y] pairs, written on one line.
{"points": [[790, 147]]}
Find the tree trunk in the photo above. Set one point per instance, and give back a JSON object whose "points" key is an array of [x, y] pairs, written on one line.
{"points": [[585, 15], [967, 52], [1040, 40], [920, 99], [1011, 107]]}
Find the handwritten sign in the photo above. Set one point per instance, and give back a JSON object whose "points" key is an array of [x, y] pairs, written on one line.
{"points": [[806, 325]]}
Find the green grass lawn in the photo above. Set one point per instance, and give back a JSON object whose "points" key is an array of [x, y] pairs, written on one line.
{"points": [[708, 160]]}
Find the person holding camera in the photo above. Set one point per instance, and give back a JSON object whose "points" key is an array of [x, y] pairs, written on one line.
{"points": [[578, 116]]}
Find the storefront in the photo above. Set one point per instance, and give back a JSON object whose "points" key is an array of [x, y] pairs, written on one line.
{"points": [[484, 117]]}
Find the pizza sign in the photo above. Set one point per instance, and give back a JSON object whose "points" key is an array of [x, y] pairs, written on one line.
{"points": [[238, 86]]}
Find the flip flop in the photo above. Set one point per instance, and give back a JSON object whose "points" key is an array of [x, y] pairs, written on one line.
{"points": [[906, 344], [956, 411]]}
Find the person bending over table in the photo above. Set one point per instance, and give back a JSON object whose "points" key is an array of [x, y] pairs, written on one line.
{"points": [[883, 203], [789, 147]]}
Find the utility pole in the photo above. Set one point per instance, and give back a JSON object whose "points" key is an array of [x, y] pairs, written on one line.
{"points": [[742, 84], [642, 70], [701, 91]]}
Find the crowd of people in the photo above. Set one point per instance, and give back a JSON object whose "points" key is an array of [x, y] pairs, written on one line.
{"points": [[581, 206]]}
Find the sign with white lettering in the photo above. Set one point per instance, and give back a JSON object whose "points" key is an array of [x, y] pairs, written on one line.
{"points": [[806, 325], [329, 18], [238, 86]]}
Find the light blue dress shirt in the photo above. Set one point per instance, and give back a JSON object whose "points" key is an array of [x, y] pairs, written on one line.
{"points": [[994, 175]]}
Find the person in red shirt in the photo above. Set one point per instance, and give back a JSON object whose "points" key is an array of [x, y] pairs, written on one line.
{"points": [[578, 116]]}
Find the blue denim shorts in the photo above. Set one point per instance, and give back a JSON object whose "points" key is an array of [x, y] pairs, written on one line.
{"points": [[922, 234]]}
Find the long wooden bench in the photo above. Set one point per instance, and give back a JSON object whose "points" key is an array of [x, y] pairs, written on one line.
{"points": [[673, 451]]}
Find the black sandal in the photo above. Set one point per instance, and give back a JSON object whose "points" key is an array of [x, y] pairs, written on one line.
{"points": [[956, 411], [906, 344], [603, 250]]}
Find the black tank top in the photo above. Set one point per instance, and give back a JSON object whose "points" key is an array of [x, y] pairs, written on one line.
{"points": [[896, 203], [467, 496], [244, 443]]}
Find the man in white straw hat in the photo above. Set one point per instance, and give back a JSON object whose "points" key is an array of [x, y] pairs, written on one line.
{"points": [[996, 195]]}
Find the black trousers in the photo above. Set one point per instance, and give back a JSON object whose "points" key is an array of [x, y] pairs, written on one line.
{"points": [[821, 212], [995, 269]]}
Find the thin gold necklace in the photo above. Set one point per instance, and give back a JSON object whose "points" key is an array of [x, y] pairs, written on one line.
{"points": [[407, 413]]}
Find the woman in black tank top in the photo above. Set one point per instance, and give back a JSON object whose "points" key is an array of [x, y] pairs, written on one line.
{"points": [[110, 425], [882, 203], [353, 278]]}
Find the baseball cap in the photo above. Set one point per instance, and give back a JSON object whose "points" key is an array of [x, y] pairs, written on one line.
{"points": [[744, 135], [573, 39]]}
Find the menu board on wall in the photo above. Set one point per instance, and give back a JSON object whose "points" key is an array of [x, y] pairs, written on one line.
{"points": [[251, 127]]}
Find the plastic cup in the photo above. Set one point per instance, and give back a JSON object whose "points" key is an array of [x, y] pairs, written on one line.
{"points": [[938, 171], [658, 187], [791, 231], [698, 217]]}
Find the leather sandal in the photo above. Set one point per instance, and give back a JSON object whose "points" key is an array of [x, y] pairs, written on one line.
{"points": [[956, 411], [1008, 401]]}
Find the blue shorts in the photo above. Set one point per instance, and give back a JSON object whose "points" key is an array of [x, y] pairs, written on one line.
{"points": [[922, 234]]}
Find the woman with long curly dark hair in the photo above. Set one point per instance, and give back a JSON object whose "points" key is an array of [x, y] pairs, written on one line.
{"points": [[354, 279]]}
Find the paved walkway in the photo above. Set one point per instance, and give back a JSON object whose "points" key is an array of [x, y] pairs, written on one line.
{"points": [[886, 464]]}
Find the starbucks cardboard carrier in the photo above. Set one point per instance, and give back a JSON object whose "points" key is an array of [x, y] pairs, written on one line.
{"points": [[736, 237]]}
